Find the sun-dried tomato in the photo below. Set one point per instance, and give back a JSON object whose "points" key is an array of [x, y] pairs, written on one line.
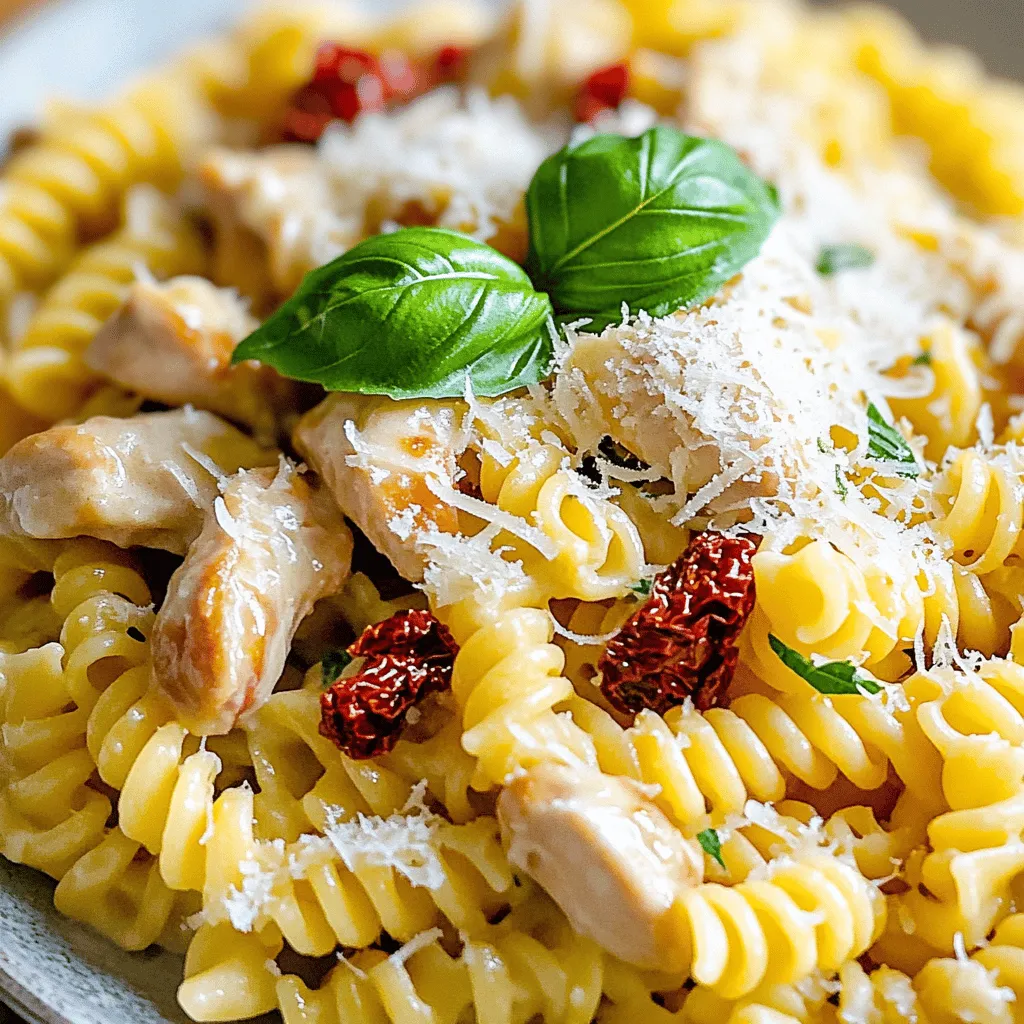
{"points": [[682, 642], [347, 83], [408, 656], [451, 63], [603, 90]]}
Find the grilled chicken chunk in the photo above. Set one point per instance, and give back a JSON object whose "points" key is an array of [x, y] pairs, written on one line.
{"points": [[377, 456], [271, 547], [605, 853], [173, 342], [145, 481]]}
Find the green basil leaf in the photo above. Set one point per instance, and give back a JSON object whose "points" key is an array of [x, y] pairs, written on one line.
{"points": [[332, 665], [711, 844], [849, 256], [922, 359], [841, 488], [885, 442], [834, 677], [658, 222], [642, 587], [409, 315]]}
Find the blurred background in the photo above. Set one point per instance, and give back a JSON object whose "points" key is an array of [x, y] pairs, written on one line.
{"points": [[50, 47]]}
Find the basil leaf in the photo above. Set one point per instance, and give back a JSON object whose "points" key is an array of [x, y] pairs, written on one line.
{"points": [[658, 222], [841, 488], [848, 256], [711, 844], [409, 315], [834, 677], [922, 359], [642, 587], [332, 665], [885, 442]]}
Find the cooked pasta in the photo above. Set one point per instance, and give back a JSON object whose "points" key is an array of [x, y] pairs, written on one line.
{"points": [[639, 638], [69, 184], [46, 372]]}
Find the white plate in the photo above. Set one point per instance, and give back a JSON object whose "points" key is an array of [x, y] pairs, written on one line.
{"points": [[52, 970], [96, 45]]}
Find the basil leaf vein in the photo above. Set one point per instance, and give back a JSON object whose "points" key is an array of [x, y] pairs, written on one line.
{"points": [[832, 678], [606, 213], [409, 315]]}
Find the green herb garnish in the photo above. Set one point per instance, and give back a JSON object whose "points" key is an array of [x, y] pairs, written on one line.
{"points": [[848, 256], [332, 665], [841, 488], [924, 359], [656, 223], [833, 677], [642, 587], [711, 844], [886, 443], [410, 315]]}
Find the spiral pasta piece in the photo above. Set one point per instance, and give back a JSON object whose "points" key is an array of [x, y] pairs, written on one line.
{"points": [[983, 514], [984, 987], [340, 889], [529, 967], [712, 763], [46, 372], [811, 912], [300, 773], [119, 891], [507, 680], [595, 549], [960, 884], [50, 814], [947, 415], [70, 183]]}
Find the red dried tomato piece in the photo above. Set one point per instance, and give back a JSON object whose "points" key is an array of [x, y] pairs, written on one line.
{"points": [[603, 90], [408, 656], [451, 63], [347, 83], [682, 642]]}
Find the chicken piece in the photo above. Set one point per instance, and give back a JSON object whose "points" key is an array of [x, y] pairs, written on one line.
{"points": [[659, 392], [173, 342], [605, 853], [283, 198], [376, 455], [139, 482], [271, 547], [544, 51]]}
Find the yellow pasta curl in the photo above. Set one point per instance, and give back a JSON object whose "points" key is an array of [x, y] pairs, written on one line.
{"points": [[819, 601], [529, 967], [811, 912], [960, 884], [71, 181], [325, 891], [119, 891], [595, 550], [982, 514], [986, 987], [46, 372], [973, 127]]}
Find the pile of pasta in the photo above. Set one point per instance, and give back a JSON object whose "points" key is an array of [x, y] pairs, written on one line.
{"points": [[867, 848]]}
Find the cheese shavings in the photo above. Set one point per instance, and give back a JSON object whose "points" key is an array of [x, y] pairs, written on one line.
{"points": [[405, 841]]}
